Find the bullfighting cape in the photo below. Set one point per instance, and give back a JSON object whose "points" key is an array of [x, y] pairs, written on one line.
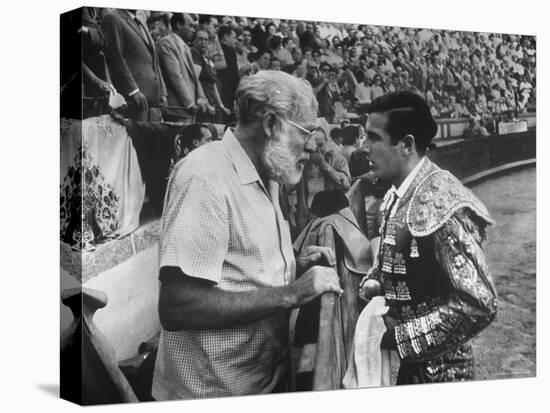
{"points": [[437, 197]]}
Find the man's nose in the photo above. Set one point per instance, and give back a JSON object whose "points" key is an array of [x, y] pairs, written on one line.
{"points": [[310, 145]]}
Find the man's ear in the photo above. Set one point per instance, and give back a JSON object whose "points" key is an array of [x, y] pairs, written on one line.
{"points": [[408, 143], [269, 123]]}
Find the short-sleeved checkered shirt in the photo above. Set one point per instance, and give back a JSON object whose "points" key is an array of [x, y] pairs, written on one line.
{"points": [[220, 224]]}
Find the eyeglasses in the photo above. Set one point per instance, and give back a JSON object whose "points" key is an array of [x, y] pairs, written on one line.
{"points": [[308, 133]]}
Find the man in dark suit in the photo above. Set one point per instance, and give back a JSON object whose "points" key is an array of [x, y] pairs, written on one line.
{"points": [[229, 77], [134, 65]]}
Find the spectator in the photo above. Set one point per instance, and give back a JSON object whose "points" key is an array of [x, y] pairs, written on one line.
{"points": [[308, 39], [325, 170], [275, 64], [474, 129], [184, 26], [285, 53], [229, 76], [215, 52], [351, 140], [325, 90], [96, 88], [185, 93], [363, 92], [447, 109], [191, 137], [244, 48], [262, 61], [377, 89], [216, 111], [460, 107], [159, 25], [133, 64]]}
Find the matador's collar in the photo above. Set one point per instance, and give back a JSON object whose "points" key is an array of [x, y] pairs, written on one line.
{"points": [[435, 196]]}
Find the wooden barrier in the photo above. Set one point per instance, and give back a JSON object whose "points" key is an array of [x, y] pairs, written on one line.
{"points": [[468, 157]]}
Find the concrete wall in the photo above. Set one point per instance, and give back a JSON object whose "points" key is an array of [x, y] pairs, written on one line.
{"points": [[131, 315]]}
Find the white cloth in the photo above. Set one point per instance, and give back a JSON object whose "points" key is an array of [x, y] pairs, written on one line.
{"points": [[112, 187], [369, 366]]}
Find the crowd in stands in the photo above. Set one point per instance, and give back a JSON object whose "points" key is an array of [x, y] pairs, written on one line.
{"points": [[460, 74], [185, 68]]}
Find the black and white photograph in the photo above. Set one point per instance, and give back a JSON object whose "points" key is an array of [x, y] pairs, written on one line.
{"points": [[254, 205], [310, 206]]}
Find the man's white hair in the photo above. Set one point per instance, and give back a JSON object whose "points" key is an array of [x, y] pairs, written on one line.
{"points": [[277, 92]]}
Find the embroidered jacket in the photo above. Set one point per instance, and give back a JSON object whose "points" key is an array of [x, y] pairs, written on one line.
{"points": [[431, 264]]}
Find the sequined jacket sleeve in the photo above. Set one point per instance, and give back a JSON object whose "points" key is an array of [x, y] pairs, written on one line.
{"points": [[471, 304]]}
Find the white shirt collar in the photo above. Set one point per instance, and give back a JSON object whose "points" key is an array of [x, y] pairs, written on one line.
{"points": [[408, 180]]}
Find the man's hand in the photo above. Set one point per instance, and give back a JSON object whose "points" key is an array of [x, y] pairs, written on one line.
{"points": [[140, 100], [315, 255], [368, 289], [192, 109], [106, 87], [317, 158], [314, 282], [370, 177], [163, 101], [211, 109], [202, 105], [225, 110], [117, 117]]}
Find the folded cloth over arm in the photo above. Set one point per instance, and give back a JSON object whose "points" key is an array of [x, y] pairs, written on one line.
{"points": [[369, 366]]}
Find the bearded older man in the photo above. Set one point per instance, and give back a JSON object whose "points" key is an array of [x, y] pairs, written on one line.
{"points": [[227, 268]]}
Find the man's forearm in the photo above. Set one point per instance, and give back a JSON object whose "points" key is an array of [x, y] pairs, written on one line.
{"points": [[339, 178], [190, 304]]}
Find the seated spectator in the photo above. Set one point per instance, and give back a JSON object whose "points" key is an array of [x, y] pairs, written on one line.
{"points": [[275, 64], [244, 47], [191, 137], [447, 109], [474, 129], [460, 108], [285, 53], [377, 90], [261, 61], [363, 92]]}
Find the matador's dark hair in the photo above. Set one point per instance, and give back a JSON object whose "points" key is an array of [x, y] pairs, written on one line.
{"points": [[408, 114]]}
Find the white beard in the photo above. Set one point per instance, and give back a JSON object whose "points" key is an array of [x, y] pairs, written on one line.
{"points": [[280, 163]]}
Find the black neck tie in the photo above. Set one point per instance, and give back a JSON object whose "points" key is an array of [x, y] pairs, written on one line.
{"points": [[388, 211], [142, 28]]}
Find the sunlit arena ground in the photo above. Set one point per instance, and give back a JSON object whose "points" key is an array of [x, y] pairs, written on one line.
{"points": [[507, 348]]}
